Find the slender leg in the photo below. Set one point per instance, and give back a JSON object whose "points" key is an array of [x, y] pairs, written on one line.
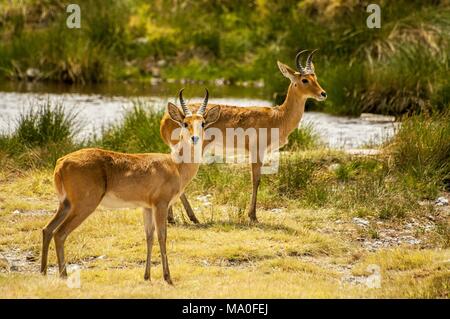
{"points": [[47, 232], [188, 209], [161, 229], [74, 219], [149, 231], [170, 217], [256, 177]]}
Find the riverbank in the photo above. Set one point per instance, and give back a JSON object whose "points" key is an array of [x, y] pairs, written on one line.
{"points": [[397, 69]]}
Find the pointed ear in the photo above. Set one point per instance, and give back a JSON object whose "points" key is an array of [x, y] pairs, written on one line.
{"points": [[175, 113], [287, 71], [212, 115]]}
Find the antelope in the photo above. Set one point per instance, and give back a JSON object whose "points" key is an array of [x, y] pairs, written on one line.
{"points": [[286, 117], [91, 177]]}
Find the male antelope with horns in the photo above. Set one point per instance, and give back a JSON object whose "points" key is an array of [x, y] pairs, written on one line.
{"points": [[285, 117], [91, 177]]}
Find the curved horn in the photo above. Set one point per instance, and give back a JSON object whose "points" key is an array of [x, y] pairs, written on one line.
{"points": [[309, 66], [202, 108], [186, 110], [300, 68]]}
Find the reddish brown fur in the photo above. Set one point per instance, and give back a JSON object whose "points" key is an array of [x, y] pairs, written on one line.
{"points": [[89, 177], [286, 117]]}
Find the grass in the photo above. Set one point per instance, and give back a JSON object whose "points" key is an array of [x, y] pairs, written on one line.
{"points": [[421, 150], [287, 255], [43, 134], [307, 243], [400, 68], [138, 132]]}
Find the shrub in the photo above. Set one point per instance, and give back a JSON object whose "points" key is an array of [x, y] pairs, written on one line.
{"points": [[44, 133], [421, 148], [138, 132]]}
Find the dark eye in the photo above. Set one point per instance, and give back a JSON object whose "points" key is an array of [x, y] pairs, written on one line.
{"points": [[305, 81], [203, 124], [185, 124]]}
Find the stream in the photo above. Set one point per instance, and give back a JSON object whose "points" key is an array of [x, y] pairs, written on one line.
{"points": [[100, 106]]}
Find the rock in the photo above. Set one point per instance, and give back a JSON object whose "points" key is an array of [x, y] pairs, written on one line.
{"points": [[32, 212], [259, 83], [161, 63], [276, 210], [141, 40], [361, 221], [32, 74], [205, 199], [155, 81], [334, 167], [441, 201], [377, 118], [363, 152], [219, 82]]}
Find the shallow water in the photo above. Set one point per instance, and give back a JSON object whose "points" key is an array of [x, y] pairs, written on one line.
{"points": [[97, 107]]}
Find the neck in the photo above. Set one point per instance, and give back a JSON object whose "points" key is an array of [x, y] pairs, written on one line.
{"points": [[292, 110], [187, 164]]}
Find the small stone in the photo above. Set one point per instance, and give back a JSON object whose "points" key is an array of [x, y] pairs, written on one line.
{"points": [[141, 40], [219, 82], [161, 63], [32, 73], [155, 81], [441, 201], [361, 221], [334, 167], [377, 118]]}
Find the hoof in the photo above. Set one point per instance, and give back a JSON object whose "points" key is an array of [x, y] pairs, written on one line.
{"points": [[169, 281], [253, 218]]}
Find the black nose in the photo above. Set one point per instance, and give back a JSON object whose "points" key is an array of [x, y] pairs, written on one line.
{"points": [[195, 139], [324, 94]]}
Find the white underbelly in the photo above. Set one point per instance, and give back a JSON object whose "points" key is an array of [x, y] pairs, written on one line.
{"points": [[112, 201]]}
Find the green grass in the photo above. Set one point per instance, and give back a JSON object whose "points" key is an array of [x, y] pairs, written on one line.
{"points": [[400, 68], [138, 132], [43, 134], [303, 138], [287, 255], [421, 150], [306, 236], [48, 131]]}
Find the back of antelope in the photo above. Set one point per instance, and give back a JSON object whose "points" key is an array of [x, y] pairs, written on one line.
{"points": [[91, 177]]}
